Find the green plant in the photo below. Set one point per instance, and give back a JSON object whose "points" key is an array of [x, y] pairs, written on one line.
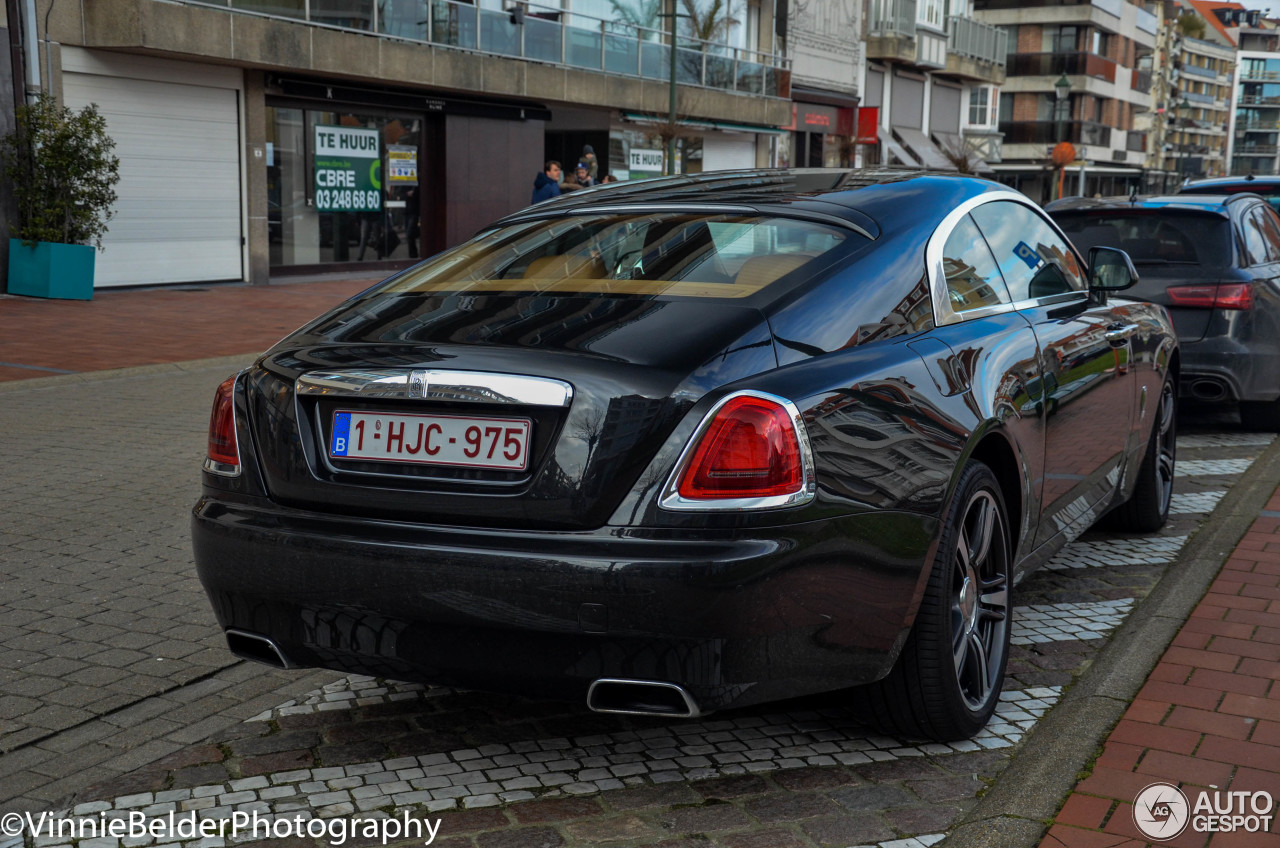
{"points": [[1191, 25], [62, 172]]}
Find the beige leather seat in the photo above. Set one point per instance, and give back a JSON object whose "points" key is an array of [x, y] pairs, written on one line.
{"points": [[759, 271], [559, 266]]}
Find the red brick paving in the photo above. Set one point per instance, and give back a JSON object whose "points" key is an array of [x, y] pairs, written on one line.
{"points": [[121, 329], [1207, 717]]}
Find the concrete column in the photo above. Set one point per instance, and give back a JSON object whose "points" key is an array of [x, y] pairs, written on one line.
{"points": [[255, 180]]}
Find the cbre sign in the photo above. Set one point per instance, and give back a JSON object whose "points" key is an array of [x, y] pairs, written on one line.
{"points": [[348, 170]]}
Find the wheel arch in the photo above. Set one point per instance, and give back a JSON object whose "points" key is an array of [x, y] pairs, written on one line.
{"points": [[993, 449]]}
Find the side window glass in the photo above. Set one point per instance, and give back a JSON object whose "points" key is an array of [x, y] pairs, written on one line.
{"points": [[973, 280], [1035, 261], [1255, 239], [1270, 226]]}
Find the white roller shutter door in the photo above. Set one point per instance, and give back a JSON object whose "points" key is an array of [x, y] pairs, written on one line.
{"points": [[178, 216], [721, 152]]}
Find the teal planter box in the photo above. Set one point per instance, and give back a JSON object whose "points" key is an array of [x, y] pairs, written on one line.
{"points": [[51, 270]]}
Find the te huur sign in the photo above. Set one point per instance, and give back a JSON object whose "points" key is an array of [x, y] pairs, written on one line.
{"points": [[348, 175]]}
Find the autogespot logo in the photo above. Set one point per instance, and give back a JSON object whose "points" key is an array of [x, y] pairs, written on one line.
{"points": [[1161, 811]]}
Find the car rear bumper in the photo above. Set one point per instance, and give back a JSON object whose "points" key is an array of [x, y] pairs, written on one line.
{"points": [[734, 617], [1224, 369]]}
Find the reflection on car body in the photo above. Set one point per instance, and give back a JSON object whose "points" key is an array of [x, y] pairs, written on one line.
{"points": [[810, 429]]}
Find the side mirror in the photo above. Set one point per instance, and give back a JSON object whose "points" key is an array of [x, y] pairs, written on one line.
{"points": [[1110, 269]]}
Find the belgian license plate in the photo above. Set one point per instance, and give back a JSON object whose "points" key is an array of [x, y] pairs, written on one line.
{"points": [[501, 443]]}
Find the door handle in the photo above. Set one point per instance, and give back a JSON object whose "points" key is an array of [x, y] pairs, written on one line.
{"points": [[1118, 334]]}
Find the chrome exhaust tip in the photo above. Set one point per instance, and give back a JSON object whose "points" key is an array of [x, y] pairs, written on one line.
{"points": [[252, 646], [641, 697]]}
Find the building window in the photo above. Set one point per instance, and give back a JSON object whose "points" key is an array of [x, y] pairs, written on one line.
{"points": [[1061, 39], [929, 13], [983, 111]]}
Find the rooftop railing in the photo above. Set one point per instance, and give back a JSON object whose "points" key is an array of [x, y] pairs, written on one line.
{"points": [[547, 34]]}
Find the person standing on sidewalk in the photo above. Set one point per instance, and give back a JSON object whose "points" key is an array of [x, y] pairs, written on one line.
{"points": [[546, 185]]}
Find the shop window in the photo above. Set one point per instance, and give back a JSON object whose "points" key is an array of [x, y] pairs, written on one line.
{"points": [[342, 187]]}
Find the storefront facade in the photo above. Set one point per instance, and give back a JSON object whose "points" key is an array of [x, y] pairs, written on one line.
{"points": [[255, 146]]}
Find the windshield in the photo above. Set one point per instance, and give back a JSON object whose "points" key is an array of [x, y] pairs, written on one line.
{"points": [[662, 253], [1153, 236]]}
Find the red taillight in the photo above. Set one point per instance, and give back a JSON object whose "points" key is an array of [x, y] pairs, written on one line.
{"points": [[222, 426], [1224, 296], [750, 450]]}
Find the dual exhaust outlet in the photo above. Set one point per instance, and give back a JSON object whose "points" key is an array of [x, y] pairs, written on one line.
{"points": [[606, 695]]}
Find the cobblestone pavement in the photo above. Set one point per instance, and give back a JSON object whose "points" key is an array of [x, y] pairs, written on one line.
{"points": [[116, 695]]}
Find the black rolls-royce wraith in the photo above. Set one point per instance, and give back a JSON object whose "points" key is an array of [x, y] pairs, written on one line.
{"points": [[695, 443]]}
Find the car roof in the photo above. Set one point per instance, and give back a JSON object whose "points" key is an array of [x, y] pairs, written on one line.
{"points": [[1233, 182], [1212, 203], [875, 200]]}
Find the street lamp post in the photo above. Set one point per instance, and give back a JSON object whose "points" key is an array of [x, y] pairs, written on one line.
{"points": [[1061, 108]]}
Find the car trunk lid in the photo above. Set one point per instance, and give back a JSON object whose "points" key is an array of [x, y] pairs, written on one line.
{"points": [[573, 388]]}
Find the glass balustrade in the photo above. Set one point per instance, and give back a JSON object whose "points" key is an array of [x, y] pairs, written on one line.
{"points": [[548, 34]]}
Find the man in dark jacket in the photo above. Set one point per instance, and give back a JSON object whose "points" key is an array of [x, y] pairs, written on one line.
{"points": [[547, 184]]}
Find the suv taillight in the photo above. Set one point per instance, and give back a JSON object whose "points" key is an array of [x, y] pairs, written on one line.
{"points": [[1223, 296], [752, 453], [224, 453]]}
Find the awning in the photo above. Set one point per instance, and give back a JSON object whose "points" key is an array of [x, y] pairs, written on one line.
{"points": [[648, 120], [924, 149], [807, 94], [897, 151]]}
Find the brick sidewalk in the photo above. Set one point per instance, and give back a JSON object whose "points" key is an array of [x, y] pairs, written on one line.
{"points": [[122, 329], [1208, 717]]}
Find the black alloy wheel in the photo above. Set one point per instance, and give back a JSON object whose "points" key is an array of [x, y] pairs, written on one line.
{"points": [[979, 595], [947, 681], [1147, 509]]}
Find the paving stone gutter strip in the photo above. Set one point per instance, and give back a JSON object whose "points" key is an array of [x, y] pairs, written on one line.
{"points": [[1015, 812], [231, 363]]}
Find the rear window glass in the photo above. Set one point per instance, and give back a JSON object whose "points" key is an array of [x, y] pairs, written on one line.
{"points": [[1153, 237], [1270, 192], [689, 255]]}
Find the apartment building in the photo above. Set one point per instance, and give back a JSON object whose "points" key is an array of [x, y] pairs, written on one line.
{"points": [[263, 137], [933, 71], [1192, 79], [1078, 71], [823, 41], [1255, 125]]}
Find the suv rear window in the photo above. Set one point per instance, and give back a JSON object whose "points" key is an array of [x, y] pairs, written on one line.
{"points": [[1269, 191], [1152, 236], [660, 253]]}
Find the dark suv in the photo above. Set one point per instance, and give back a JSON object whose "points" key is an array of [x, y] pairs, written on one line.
{"points": [[1214, 262], [1267, 188]]}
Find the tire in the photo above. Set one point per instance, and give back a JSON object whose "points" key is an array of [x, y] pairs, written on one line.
{"points": [[947, 680], [1262, 416], [1148, 507]]}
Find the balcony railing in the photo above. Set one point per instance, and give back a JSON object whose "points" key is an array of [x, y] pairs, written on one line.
{"points": [[1197, 71], [1193, 97], [976, 40], [548, 34], [893, 18], [1051, 132], [1056, 64], [1259, 100], [1262, 76]]}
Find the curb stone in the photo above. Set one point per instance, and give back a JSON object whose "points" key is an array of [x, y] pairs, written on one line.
{"points": [[1016, 811]]}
